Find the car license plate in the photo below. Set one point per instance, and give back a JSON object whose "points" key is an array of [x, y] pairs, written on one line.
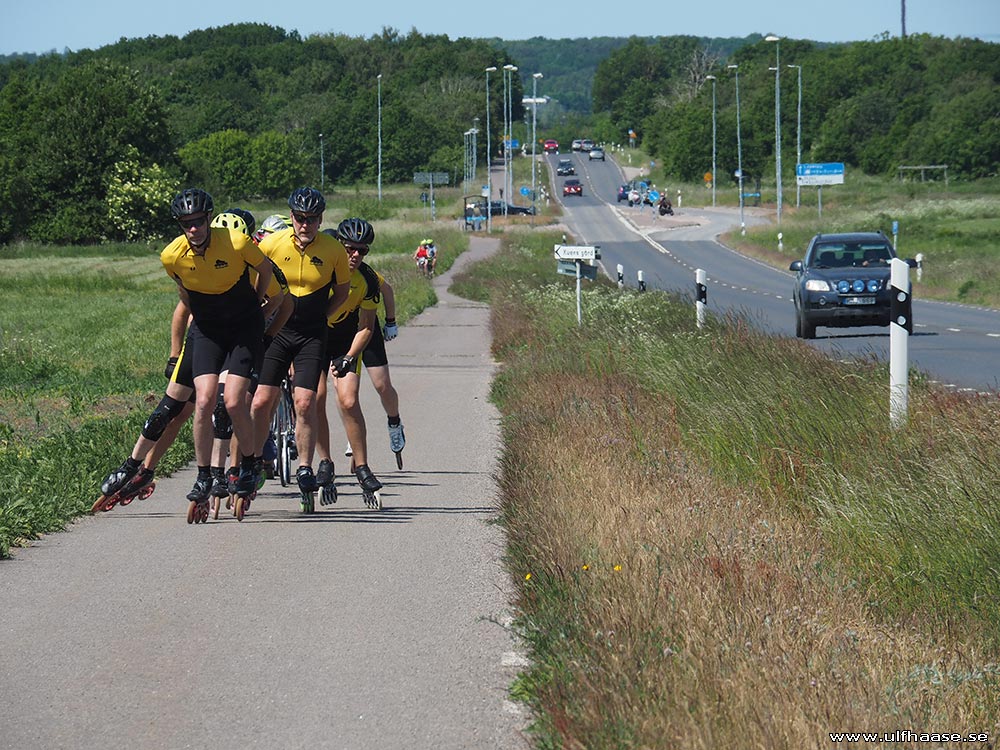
{"points": [[859, 300]]}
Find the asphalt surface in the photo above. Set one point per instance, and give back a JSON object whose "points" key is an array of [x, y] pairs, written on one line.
{"points": [[351, 628]]}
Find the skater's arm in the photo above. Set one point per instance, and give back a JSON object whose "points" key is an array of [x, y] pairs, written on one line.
{"points": [[338, 296], [284, 313], [389, 299], [366, 324], [264, 273], [178, 327]]}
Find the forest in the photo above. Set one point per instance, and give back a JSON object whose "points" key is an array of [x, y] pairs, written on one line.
{"points": [[94, 143]]}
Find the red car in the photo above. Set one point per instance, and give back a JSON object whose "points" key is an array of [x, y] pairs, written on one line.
{"points": [[572, 187], [551, 147]]}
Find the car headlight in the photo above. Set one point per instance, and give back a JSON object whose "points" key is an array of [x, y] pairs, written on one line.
{"points": [[873, 285], [817, 285], [858, 286], [843, 287]]}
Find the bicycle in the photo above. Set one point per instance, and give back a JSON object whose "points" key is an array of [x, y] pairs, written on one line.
{"points": [[283, 430]]}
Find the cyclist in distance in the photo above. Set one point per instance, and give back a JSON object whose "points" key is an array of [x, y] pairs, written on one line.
{"points": [[317, 271], [211, 269]]}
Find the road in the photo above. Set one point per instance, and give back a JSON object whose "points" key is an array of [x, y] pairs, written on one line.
{"points": [[351, 628], [956, 345]]}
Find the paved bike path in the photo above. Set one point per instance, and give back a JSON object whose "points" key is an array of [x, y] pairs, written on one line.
{"points": [[351, 628]]}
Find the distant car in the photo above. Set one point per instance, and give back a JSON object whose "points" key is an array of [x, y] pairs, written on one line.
{"points": [[586, 144], [551, 146], [577, 145], [496, 208], [565, 167], [572, 187], [596, 153], [843, 281]]}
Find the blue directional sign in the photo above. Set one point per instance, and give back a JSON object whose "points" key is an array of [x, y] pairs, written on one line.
{"points": [[830, 173], [525, 190]]}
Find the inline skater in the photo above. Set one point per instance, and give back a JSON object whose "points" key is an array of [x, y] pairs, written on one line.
{"points": [[317, 271], [350, 330], [211, 269]]}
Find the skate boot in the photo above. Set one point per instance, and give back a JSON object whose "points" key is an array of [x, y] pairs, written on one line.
{"points": [[116, 480], [324, 479], [370, 487], [220, 489], [198, 508], [246, 489], [397, 441], [307, 486], [140, 486]]}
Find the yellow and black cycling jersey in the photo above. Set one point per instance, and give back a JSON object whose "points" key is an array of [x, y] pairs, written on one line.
{"points": [[310, 274], [365, 285], [218, 282]]}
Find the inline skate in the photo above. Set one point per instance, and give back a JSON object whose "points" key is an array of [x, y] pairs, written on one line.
{"points": [[246, 490], [199, 507], [307, 486], [370, 487], [220, 489], [324, 480], [115, 482], [397, 441]]}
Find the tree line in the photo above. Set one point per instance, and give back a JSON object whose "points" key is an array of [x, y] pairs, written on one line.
{"points": [[874, 105], [91, 142]]}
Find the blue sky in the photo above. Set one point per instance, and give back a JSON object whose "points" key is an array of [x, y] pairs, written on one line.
{"points": [[46, 25]]}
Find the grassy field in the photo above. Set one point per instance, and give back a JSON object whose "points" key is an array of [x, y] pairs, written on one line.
{"points": [[705, 563], [84, 337]]}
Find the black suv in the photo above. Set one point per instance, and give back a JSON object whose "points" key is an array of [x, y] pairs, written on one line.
{"points": [[565, 167], [843, 281]]}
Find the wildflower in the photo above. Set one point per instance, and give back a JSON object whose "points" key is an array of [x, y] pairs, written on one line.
{"points": [[617, 568], [528, 577], [586, 567]]}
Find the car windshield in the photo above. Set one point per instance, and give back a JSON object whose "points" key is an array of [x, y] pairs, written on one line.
{"points": [[849, 254]]}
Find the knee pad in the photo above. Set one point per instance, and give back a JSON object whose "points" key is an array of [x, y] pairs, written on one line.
{"points": [[165, 411], [220, 420]]}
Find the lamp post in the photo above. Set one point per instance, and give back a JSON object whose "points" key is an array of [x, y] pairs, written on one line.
{"points": [[508, 130], [489, 156], [534, 139], [777, 114], [712, 79], [322, 172], [379, 78], [798, 139], [739, 145]]}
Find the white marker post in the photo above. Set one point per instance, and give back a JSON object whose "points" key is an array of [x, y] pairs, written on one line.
{"points": [[642, 284], [701, 281], [899, 326], [621, 276]]}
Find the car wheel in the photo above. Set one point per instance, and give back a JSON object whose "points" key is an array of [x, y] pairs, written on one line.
{"points": [[806, 330]]}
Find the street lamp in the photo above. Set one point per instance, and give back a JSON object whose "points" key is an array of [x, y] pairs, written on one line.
{"points": [[508, 81], [777, 113], [489, 156], [798, 139], [712, 79], [379, 78], [534, 139], [739, 144], [322, 172]]}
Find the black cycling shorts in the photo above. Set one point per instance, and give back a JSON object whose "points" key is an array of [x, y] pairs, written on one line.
{"points": [[307, 352], [374, 354], [237, 350], [339, 337]]}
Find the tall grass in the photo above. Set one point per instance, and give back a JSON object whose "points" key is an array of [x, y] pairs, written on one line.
{"points": [[719, 541]]}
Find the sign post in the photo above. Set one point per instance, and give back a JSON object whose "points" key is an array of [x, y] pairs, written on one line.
{"points": [[578, 260], [829, 173], [429, 178]]}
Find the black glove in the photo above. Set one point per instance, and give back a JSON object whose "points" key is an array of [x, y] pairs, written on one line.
{"points": [[343, 365], [171, 364]]}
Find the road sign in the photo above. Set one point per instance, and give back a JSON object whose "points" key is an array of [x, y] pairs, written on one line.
{"points": [[654, 195], [820, 174], [568, 268], [525, 190], [430, 178], [577, 252]]}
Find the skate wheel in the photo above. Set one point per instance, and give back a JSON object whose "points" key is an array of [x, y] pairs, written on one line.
{"points": [[242, 504], [98, 504], [399, 460], [147, 490], [203, 512], [308, 502], [125, 500], [192, 511], [373, 500], [216, 502]]}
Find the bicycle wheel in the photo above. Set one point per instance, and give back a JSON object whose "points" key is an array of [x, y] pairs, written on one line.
{"points": [[284, 426]]}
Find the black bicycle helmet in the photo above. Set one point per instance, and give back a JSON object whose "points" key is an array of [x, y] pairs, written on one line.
{"points": [[358, 231], [247, 217], [307, 201], [191, 201]]}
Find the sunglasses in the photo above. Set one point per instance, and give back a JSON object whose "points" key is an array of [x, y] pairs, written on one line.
{"points": [[193, 223], [362, 250], [306, 218]]}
